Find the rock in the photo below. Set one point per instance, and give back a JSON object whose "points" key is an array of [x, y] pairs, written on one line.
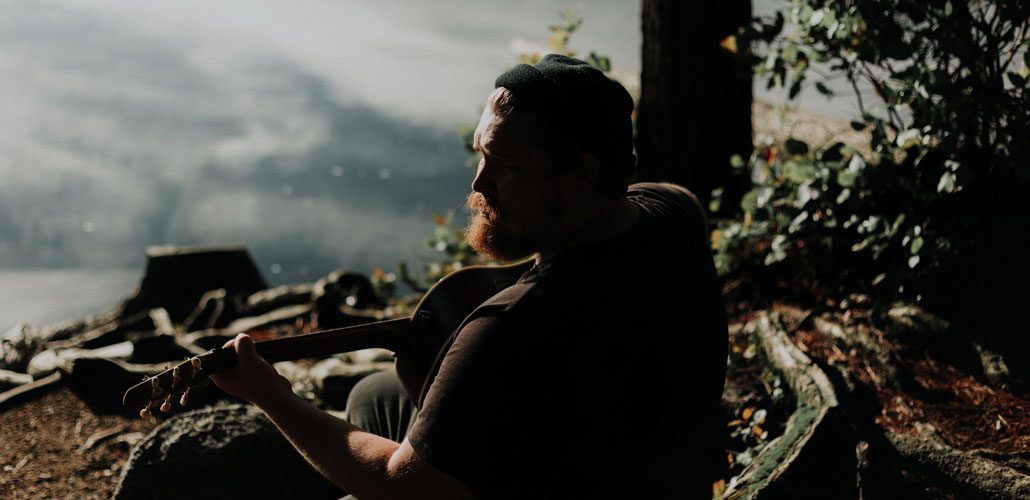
{"points": [[343, 298], [52, 360], [177, 277], [229, 451], [333, 379]]}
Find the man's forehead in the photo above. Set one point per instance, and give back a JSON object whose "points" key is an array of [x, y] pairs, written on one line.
{"points": [[501, 133]]}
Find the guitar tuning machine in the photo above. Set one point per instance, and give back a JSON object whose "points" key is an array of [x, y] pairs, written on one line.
{"points": [[145, 413]]}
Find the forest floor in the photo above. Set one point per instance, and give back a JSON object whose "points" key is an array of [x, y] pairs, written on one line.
{"points": [[54, 446]]}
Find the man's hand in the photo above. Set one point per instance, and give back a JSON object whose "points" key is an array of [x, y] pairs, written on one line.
{"points": [[252, 378]]}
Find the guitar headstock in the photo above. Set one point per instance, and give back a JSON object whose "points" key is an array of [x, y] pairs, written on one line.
{"points": [[176, 382]]}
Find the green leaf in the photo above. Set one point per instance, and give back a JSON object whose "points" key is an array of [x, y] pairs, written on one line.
{"points": [[843, 196], [749, 203], [947, 183], [796, 147], [917, 245], [846, 178], [789, 54], [948, 8], [795, 89], [737, 161], [603, 63], [799, 173]]}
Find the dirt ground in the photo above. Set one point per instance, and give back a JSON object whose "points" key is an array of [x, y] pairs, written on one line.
{"points": [[54, 446]]}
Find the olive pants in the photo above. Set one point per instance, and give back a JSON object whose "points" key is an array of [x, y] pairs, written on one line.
{"points": [[379, 404]]}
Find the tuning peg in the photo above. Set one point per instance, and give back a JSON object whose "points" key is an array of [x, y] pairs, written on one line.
{"points": [[176, 377], [185, 395], [145, 413], [167, 404], [197, 365], [155, 388]]}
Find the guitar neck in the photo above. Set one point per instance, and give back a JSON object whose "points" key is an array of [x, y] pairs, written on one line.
{"points": [[388, 334]]}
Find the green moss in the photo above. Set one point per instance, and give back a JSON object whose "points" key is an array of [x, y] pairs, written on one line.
{"points": [[774, 454]]}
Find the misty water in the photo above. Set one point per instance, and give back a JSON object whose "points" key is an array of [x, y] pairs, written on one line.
{"points": [[319, 134]]}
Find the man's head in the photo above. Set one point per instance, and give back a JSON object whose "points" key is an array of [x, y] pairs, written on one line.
{"points": [[556, 140]]}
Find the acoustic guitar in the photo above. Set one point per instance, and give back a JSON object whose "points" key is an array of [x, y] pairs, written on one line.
{"points": [[416, 341]]}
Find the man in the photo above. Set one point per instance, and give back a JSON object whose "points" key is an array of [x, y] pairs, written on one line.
{"points": [[598, 375]]}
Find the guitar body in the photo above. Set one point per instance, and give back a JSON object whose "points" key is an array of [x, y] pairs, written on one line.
{"points": [[416, 341], [441, 311]]}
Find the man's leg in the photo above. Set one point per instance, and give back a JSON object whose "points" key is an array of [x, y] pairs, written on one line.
{"points": [[379, 404]]}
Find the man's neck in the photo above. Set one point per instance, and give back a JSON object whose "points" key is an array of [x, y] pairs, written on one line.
{"points": [[612, 218]]}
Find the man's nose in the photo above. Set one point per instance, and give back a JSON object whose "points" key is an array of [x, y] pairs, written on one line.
{"points": [[481, 182]]}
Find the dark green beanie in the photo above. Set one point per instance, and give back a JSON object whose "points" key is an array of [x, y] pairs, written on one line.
{"points": [[590, 109]]}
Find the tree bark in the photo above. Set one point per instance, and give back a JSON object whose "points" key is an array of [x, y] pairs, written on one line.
{"points": [[695, 97]]}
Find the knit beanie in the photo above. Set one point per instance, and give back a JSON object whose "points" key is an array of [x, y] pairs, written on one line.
{"points": [[592, 110]]}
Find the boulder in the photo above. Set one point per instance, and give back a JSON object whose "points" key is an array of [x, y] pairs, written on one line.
{"points": [[333, 379], [231, 451]]}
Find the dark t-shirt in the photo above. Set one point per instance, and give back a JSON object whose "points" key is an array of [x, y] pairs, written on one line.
{"points": [[599, 374]]}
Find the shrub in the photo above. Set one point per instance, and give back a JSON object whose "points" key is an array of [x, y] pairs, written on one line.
{"points": [[941, 87]]}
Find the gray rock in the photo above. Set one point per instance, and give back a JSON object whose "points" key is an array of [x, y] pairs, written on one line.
{"points": [[333, 379], [229, 451]]}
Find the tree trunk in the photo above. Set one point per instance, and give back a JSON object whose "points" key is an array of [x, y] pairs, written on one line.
{"points": [[695, 97]]}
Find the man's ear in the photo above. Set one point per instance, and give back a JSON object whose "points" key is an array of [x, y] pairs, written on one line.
{"points": [[587, 170]]}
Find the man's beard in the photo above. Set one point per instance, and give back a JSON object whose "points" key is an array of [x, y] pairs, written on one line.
{"points": [[486, 234]]}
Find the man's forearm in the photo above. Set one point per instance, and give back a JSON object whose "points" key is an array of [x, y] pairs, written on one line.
{"points": [[355, 460]]}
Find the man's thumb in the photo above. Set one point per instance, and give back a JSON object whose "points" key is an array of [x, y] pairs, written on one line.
{"points": [[245, 347]]}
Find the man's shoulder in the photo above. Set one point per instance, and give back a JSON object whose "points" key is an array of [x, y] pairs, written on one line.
{"points": [[671, 201]]}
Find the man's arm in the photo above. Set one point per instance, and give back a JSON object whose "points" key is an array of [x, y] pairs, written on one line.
{"points": [[361, 463]]}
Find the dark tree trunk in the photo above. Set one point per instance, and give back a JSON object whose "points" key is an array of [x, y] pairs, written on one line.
{"points": [[695, 97]]}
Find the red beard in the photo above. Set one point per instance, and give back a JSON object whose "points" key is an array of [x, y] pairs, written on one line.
{"points": [[485, 232]]}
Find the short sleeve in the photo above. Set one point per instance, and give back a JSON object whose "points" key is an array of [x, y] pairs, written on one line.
{"points": [[466, 415]]}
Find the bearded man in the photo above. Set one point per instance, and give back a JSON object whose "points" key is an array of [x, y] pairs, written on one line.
{"points": [[599, 374]]}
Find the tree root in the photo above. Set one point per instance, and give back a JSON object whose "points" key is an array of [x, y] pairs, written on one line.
{"points": [[831, 447]]}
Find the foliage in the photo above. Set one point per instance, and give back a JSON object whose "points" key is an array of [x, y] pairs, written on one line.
{"points": [[452, 243], [941, 89]]}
